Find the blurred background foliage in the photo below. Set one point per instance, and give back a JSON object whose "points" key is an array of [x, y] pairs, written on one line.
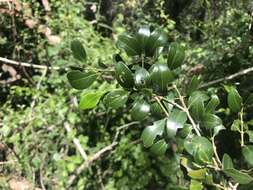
{"points": [[35, 105]]}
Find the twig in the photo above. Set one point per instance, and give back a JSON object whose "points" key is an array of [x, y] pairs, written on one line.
{"points": [[160, 104], [235, 75], [242, 128], [8, 162], [77, 143], [12, 62], [187, 111], [216, 154]]}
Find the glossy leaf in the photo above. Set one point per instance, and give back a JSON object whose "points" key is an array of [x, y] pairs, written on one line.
{"points": [[210, 121], [78, 50], [227, 162], [160, 76], [247, 152], [142, 78], [124, 75], [159, 148], [193, 86], [116, 99], [143, 37], [234, 100], [151, 132], [90, 99], [217, 129], [197, 174], [176, 56], [80, 80], [196, 185], [130, 44], [140, 110], [175, 121], [212, 104], [239, 177]]}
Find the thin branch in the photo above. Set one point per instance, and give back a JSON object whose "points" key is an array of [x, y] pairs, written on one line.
{"points": [[77, 143], [187, 111], [215, 153], [12, 62], [160, 104], [230, 77]]}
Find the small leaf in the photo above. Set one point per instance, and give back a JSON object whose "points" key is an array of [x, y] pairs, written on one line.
{"points": [[193, 86], [250, 133], [80, 80], [198, 174], [160, 76], [124, 75], [234, 100], [140, 110], [90, 99], [238, 176], [210, 121], [227, 162], [176, 56], [116, 98], [151, 132], [159, 148], [78, 50], [247, 152], [217, 129], [142, 78], [212, 104], [236, 125], [196, 185], [175, 121]]}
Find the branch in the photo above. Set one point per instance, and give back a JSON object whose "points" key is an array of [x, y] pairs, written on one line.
{"points": [[235, 75], [12, 62]]}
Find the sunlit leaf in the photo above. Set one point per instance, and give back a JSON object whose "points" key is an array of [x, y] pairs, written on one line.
{"points": [[89, 99], [124, 75], [234, 100]]}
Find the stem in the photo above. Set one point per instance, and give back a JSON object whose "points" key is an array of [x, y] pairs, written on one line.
{"points": [[217, 159], [160, 104], [187, 111], [242, 127]]}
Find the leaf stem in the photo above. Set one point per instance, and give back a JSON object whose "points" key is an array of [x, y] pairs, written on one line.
{"points": [[160, 104], [242, 128], [185, 109], [217, 159]]}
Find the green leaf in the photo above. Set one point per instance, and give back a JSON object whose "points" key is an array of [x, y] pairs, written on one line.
{"points": [[238, 176], [212, 104], [124, 75], [176, 56], [116, 98], [210, 121], [160, 76], [200, 148], [90, 99], [217, 129], [197, 109], [142, 78], [140, 110], [143, 37], [80, 80], [234, 100], [227, 162], [159, 148], [236, 125], [247, 152], [130, 44], [193, 86], [250, 133], [175, 121], [196, 185], [249, 100], [198, 174], [78, 50], [151, 132]]}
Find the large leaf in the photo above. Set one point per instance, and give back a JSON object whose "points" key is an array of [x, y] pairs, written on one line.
{"points": [[227, 162], [124, 75], [116, 98], [200, 148], [130, 44], [176, 56], [143, 36], [78, 50], [151, 132], [210, 121], [247, 152], [142, 78], [80, 80], [175, 121], [234, 100], [212, 104], [161, 76], [90, 99], [159, 148], [239, 177], [140, 110]]}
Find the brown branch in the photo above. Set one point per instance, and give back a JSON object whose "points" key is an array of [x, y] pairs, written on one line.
{"points": [[230, 77]]}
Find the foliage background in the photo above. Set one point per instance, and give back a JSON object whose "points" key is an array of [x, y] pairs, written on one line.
{"points": [[217, 36]]}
